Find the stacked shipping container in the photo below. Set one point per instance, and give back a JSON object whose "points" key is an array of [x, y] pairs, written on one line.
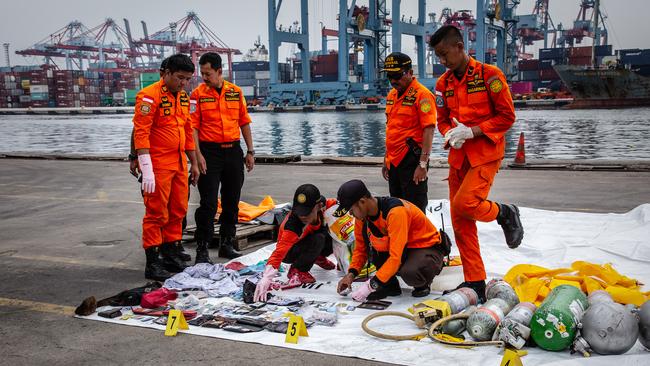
{"points": [[636, 59]]}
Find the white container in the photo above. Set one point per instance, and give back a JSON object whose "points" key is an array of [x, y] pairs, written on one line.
{"points": [[38, 89], [248, 91], [262, 75], [75, 88]]}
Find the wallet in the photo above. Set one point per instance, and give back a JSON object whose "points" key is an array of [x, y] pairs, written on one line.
{"points": [[113, 313]]}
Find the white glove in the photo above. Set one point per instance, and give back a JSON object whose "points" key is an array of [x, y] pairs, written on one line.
{"points": [[264, 284], [148, 179], [457, 136], [362, 292]]}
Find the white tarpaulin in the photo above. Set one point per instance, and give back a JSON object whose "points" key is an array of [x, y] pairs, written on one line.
{"points": [[552, 239]]}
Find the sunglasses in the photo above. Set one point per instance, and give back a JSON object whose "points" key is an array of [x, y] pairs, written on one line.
{"points": [[396, 75]]}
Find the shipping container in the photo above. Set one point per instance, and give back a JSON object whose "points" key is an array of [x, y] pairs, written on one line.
{"points": [[584, 61], [262, 75], [38, 89], [250, 66], [546, 64], [528, 65], [548, 74], [521, 87], [248, 91], [529, 75], [237, 75], [40, 96], [552, 53], [245, 82]]}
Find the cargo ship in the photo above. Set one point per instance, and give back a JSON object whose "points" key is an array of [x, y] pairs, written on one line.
{"points": [[617, 86]]}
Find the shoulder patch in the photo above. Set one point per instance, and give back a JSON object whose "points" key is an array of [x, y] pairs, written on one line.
{"points": [[496, 86], [425, 106], [440, 101], [145, 109], [192, 105]]}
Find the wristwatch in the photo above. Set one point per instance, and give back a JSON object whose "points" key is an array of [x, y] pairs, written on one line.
{"points": [[251, 152], [423, 164], [374, 283], [133, 157]]}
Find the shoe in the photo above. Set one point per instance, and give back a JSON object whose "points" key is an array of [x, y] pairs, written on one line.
{"points": [[421, 291], [202, 254], [170, 258], [477, 286], [154, 269], [182, 254], [391, 288], [324, 263], [303, 277], [227, 249], [510, 222]]}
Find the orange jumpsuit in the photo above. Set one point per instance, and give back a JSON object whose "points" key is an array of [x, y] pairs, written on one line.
{"points": [[482, 98], [400, 226], [162, 125]]}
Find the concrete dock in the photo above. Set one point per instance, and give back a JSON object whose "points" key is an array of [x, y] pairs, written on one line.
{"points": [[71, 229]]}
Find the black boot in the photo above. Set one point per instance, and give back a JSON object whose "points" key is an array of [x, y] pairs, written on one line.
{"points": [[154, 269], [477, 286], [421, 291], [391, 288], [170, 258], [202, 255], [509, 220], [227, 249], [182, 254]]}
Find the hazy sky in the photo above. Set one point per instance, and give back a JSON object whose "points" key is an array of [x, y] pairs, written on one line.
{"points": [[238, 23]]}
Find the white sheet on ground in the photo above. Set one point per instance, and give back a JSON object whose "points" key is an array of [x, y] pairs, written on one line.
{"points": [[552, 239]]}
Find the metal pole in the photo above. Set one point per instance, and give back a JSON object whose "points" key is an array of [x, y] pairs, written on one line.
{"points": [[344, 64], [480, 30]]}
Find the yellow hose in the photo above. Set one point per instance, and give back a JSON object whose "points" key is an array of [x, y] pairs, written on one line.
{"points": [[442, 321], [412, 337], [431, 332]]}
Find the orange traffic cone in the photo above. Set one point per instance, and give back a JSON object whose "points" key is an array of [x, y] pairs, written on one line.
{"points": [[520, 157]]}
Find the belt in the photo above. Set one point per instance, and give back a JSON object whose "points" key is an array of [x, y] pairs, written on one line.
{"points": [[220, 145]]}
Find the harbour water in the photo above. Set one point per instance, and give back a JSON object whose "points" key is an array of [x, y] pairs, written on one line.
{"points": [[550, 134]]}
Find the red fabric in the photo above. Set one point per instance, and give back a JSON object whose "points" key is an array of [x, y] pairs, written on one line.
{"points": [[235, 266], [324, 263], [303, 277], [157, 298]]}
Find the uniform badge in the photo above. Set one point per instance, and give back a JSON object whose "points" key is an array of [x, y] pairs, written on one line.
{"points": [[192, 106], [496, 86], [145, 109], [440, 102], [301, 198], [425, 106]]}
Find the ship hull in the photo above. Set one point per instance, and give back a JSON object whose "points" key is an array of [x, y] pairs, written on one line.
{"points": [[605, 88]]}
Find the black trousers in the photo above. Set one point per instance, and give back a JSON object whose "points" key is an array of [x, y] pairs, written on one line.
{"points": [[419, 265], [401, 185], [304, 253], [225, 168]]}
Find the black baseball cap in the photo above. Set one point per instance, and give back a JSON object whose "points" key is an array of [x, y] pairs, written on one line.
{"points": [[396, 61], [349, 193], [305, 198]]}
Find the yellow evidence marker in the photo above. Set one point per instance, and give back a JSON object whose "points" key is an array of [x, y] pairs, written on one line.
{"points": [[296, 328], [175, 321]]}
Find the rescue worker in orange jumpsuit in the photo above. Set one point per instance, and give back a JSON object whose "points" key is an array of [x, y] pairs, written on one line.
{"points": [[397, 237], [163, 136], [475, 110], [410, 122], [303, 240], [219, 112], [135, 170]]}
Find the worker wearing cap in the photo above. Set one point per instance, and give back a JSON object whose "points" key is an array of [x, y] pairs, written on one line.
{"points": [[218, 114], [410, 122], [303, 240], [475, 110], [162, 137], [400, 239]]}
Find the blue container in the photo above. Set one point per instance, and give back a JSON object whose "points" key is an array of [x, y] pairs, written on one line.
{"points": [[552, 53], [546, 64]]}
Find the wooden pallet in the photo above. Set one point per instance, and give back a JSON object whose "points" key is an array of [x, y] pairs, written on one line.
{"points": [[246, 236]]}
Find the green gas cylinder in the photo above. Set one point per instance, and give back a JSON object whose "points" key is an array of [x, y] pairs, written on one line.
{"points": [[555, 323]]}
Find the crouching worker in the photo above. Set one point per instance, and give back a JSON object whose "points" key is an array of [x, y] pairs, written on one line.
{"points": [[399, 239], [303, 240]]}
